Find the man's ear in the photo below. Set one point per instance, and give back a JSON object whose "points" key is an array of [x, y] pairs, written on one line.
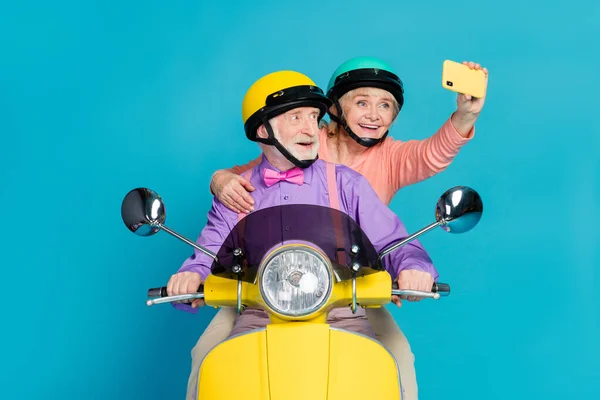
{"points": [[262, 133]]}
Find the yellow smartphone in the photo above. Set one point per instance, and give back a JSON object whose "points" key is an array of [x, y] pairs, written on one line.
{"points": [[461, 79]]}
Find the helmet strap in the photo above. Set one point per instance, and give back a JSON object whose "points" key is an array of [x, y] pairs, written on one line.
{"points": [[274, 142], [365, 142]]}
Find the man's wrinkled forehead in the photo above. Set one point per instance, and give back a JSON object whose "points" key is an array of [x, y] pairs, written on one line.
{"points": [[295, 112], [302, 110]]}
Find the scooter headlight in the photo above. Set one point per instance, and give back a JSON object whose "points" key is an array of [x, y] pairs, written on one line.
{"points": [[295, 280]]}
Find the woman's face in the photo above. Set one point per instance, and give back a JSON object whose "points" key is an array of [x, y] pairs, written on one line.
{"points": [[369, 112]]}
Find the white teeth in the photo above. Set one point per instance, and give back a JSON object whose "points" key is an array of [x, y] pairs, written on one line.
{"points": [[369, 126]]}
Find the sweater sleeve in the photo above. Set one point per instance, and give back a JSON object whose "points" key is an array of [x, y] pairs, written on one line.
{"points": [[416, 160]]}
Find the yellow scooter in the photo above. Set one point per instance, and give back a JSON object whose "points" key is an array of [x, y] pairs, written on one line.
{"points": [[297, 263]]}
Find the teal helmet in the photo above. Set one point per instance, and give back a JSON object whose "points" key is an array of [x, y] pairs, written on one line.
{"points": [[363, 72]]}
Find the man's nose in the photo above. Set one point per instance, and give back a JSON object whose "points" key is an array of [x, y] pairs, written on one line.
{"points": [[310, 127]]}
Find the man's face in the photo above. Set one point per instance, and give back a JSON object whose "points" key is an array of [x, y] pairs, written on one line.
{"points": [[297, 130]]}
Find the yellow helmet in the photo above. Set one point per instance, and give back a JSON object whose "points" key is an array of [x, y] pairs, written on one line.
{"points": [[277, 93]]}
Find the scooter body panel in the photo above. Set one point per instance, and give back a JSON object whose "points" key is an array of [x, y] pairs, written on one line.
{"points": [[299, 360]]}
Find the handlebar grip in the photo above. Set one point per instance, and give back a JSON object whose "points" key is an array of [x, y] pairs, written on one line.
{"points": [[442, 288], [162, 291], [158, 292]]}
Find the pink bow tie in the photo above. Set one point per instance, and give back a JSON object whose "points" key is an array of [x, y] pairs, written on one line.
{"points": [[295, 175]]}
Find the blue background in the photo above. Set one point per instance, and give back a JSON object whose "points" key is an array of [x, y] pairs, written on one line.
{"points": [[102, 97]]}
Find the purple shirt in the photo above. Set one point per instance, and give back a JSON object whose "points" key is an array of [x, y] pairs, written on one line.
{"points": [[357, 199]]}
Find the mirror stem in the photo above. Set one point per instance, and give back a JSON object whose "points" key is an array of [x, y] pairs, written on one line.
{"points": [[401, 243], [194, 245]]}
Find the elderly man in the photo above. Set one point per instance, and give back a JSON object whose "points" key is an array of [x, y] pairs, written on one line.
{"points": [[281, 111]]}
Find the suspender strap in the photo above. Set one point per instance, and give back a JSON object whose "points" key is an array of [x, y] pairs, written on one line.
{"points": [[241, 225], [334, 202], [247, 175]]}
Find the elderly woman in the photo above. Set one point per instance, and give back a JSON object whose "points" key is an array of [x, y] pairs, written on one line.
{"points": [[367, 98]]}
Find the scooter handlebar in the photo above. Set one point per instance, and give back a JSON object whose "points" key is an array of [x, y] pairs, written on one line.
{"points": [[160, 295], [437, 290]]}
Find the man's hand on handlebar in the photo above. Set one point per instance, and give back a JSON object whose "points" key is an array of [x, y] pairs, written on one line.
{"points": [[185, 283], [413, 280]]}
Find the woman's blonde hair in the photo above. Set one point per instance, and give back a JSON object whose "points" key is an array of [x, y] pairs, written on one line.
{"points": [[333, 128]]}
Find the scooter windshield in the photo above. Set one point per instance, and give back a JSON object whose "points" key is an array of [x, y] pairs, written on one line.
{"points": [[331, 231]]}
